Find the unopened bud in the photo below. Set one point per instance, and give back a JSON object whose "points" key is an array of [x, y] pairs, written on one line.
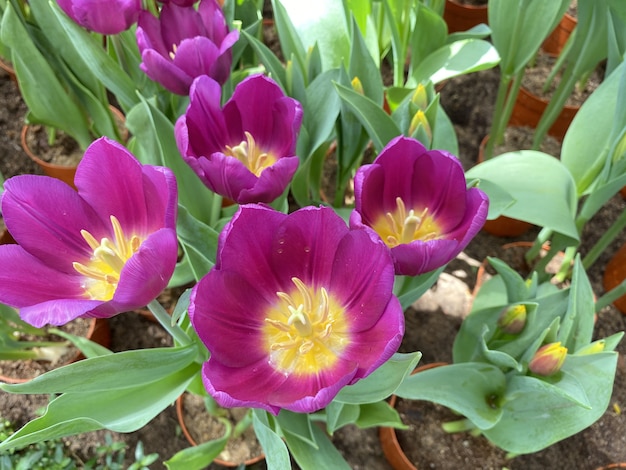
{"points": [[548, 359], [357, 85], [513, 319], [593, 348], [420, 97], [420, 118]]}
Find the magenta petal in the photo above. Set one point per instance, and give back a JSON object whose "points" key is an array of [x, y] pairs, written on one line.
{"points": [[224, 305], [163, 71], [57, 312], [46, 216], [270, 184]]}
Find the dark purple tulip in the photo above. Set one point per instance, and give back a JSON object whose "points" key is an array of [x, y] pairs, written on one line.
{"points": [[418, 203], [296, 307], [103, 16], [109, 247], [180, 3], [245, 150], [185, 43]]}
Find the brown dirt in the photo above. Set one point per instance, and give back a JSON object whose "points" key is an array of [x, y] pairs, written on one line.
{"points": [[430, 328]]}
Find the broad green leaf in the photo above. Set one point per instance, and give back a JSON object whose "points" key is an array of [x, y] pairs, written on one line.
{"points": [[339, 414], [322, 22], [86, 346], [122, 410], [458, 58], [587, 141], [381, 383], [123, 370], [199, 242], [378, 414], [376, 121], [482, 385], [577, 325], [543, 188], [297, 425], [410, 288], [199, 456], [321, 110], [516, 287], [288, 35], [547, 415], [269, 60], [47, 100], [321, 455], [276, 453]]}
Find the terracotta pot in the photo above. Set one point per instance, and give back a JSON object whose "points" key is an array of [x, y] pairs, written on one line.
{"points": [[389, 439], [461, 17], [614, 274], [8, 68], [554, 43], [180, 413], [612, 465], [529, 108], [99, 332], [503, 226], [65, 173]]}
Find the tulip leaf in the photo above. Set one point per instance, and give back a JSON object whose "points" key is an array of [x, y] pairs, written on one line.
{"points": [[543, 188], [379, 414], [340, 414], [323, 454], [587, 141], [381, 383], [516, 288], [200, 456], [199, 242], [98, 61], [577, 325], [130, 369], [276, 453], [482, 385], [458, 58], [118, 410], [410, 288], [548, 412], [322, 108], [379, 125], [86, 346], [273, 66]]}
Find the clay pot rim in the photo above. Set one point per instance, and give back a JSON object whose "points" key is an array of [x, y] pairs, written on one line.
{"points": [[191, 440]]}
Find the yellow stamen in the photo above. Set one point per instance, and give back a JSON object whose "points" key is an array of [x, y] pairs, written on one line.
{"points": [[401, 227], [102, 271], [306, 330], [248, 153], [173, 51]]}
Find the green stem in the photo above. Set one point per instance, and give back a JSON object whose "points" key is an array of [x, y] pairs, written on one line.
{"points": [[565, 269], [611, 296], [458, 426], [543, 236], [604, 240], [166, 322]]}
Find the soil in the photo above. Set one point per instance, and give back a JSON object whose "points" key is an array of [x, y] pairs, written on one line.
{"points": [[431, 327], [64, 150]]}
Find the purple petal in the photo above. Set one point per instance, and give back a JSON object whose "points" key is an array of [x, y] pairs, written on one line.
{"points": [[270, 184], [57, 312], [178, 23], [45, 216], [162, 70], [106, 16]]}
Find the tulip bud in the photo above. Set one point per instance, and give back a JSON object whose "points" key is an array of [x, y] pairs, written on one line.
{"points": [[593, 348], [513, 319], [420, 97], [357, 85], [548, 359], [420, 118]]}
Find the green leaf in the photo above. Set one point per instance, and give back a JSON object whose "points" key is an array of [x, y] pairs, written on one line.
{"points": [[543, 188], [482, 385], [378, 414], [297, 425], [199, 456], [376, 121], [577, 325], [273, 66], [199, 242], [276, 453], [458, 58], [321, 455], [127, 369], [546, 412], [120, 410], [381, 383], [410, 288], [339, 414]]}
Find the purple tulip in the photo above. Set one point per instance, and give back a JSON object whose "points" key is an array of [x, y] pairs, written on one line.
{"points": [[296, 307], [245, 150], [185, 43], [102, 16], [418, 203], [108, 248], [180, 3]]}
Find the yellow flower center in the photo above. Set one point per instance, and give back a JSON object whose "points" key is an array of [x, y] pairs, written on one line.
{"points": [[250, 155], [401, 227], [102, 272], [305, 331]]}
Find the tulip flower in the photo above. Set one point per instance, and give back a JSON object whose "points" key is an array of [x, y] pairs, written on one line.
{"points": [[103, 16], [296, 307], [548, 359], [245, 150], [180, 3], [418, 203], [513, 319], [185, 43], [108, 248]]}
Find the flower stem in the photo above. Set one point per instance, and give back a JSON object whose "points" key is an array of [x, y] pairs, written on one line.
{"points": [[458, 426], [611, 296], [166, 322], [604, 240]]}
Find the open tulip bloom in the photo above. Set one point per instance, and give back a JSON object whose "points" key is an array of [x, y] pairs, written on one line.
{"points": [[108, 248], [309, 301], [418, 203], [244, 151], [185, 43]]}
